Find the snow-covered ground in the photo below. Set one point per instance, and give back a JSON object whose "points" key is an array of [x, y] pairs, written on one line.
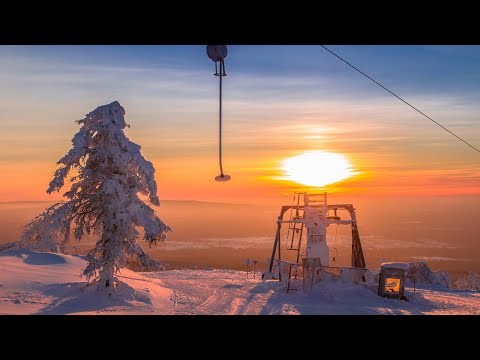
{"points": [[47, 283]]}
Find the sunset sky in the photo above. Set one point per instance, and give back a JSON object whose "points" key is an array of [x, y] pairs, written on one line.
{"points": [[279, 102]]}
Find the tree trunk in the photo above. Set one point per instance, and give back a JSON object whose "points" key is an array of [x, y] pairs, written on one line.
{"points": [[107, 283]]}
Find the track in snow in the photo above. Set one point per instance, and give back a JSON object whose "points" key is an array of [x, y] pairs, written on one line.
{"points": [[218, 291]]}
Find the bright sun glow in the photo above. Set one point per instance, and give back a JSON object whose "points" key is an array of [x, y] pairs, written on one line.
{"points": [[317, 168]]}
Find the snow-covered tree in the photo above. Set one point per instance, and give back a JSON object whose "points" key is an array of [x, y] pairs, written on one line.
{"points": [[470, 281], [109, 173]]}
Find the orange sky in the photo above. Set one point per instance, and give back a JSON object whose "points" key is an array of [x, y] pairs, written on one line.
{"points": [[183, 173], [173, 117]]}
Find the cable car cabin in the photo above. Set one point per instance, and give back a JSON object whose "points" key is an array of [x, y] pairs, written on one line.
{"points": [[392, 280]]}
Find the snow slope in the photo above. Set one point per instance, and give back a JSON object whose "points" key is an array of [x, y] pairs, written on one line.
{"points": [[47, 283]]}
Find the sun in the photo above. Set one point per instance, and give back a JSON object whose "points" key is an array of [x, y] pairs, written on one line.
{"points": [[317, 168]]}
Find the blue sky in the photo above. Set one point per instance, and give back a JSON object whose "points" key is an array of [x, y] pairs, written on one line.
{"points": [[409, 69], [417, 67], [439, 79], [425, 75]]}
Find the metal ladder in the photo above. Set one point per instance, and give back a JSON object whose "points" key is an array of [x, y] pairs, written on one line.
{"points": [[296, 226]]}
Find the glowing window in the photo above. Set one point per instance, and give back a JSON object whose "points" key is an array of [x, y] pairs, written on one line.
{"points": [[392, 285]]}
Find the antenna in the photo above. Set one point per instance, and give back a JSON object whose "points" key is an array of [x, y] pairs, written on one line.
{"points": [[218, 53]]}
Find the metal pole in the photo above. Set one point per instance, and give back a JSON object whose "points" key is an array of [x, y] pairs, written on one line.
{"points": [[220, 121], [275, 244], [300, 242]]}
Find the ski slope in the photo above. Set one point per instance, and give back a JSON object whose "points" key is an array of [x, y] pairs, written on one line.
{"points": [[47, 283]]}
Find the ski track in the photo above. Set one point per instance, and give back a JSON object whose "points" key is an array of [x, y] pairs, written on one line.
{"points": [[219, 292], [229, 292]]}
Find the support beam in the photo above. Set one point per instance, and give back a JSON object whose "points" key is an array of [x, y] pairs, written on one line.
{"points": [[358, 259], [277, 241]]}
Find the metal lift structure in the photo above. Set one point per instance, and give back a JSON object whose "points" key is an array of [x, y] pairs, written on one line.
{"points": [[310, 214]]}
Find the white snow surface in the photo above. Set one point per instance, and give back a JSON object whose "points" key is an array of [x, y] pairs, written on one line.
{"points": [[395, 265], [47, 283]]}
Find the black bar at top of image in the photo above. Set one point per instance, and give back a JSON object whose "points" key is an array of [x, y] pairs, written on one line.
{"points": [[236, 25]]}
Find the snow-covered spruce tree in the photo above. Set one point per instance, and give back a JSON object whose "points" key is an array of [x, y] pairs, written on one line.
{"points": [[110, 172]]}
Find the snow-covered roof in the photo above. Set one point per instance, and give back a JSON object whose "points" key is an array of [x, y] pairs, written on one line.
{"points": [[395, 265]]}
